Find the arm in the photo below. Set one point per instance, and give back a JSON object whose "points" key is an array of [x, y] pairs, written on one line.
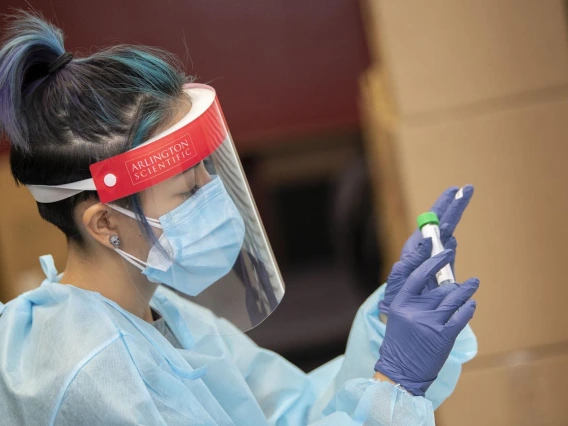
{"points": [[289, 397], [343, 388]]}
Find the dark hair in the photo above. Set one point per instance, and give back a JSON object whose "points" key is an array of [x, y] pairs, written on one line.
{"points": [[60, 122]]}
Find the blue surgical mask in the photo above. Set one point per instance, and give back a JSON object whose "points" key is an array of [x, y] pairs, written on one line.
{"points": [[200, 242]]}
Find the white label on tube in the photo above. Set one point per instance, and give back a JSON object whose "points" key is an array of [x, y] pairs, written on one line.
{"points": [[433, 231]]}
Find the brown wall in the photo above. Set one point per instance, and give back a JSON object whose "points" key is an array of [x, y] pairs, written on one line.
{"points": [[477, 92], [24, 236]]}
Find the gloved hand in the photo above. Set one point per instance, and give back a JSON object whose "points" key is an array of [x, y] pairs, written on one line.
{"points": [[449, 211], [423, 325]]}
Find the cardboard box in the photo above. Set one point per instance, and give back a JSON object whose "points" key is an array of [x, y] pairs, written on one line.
{"points": [[521, 389], [380, 138], [477, 92], [24, 236], [447, 54], [514, 234]]}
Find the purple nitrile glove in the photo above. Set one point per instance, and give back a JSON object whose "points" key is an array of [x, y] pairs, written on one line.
{"points": [[423, 325], [449, 211]]}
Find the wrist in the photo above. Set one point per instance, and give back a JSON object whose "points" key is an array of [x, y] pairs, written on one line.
{"points": [[382, 378], [384, 306], [392, 374]]}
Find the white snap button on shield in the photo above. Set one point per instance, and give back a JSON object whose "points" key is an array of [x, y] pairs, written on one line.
{"points": [[110, 180]]}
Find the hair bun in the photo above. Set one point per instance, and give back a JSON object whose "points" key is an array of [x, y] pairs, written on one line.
{"points": [[60, 62], [32, 47]]}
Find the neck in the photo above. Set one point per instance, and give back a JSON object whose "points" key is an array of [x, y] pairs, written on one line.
{"points": [[107, 273]]}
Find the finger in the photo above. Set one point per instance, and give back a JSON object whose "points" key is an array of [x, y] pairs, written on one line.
{"points": [[452, 244], [404, 267], [442, 203], [460, 319], [441, 291], [432, 284], [411, 243], [454, 212], [446, 231], [455, 299], [436, 293], [418, 280], [424, 246]]}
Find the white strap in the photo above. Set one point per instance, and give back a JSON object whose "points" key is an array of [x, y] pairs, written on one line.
{"points": [[202, 97], [131, 259], [152, 222], [51, 194]]}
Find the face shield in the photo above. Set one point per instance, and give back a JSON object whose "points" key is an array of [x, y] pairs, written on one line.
{"points": [[203, 237]]}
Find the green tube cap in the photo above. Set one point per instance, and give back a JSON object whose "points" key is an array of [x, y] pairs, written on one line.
{"points": [[427, 218]]}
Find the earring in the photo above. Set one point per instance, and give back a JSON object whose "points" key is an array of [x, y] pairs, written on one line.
{"points": [[114, 240]]}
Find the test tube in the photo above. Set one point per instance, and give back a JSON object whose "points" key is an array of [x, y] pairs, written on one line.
{"points": [[428, 223]]}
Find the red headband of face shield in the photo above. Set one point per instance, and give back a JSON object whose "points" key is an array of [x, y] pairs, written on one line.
{"points": [[197, 135]]}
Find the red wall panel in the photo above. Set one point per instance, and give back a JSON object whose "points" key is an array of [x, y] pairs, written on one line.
{"points": [[280, 66]]}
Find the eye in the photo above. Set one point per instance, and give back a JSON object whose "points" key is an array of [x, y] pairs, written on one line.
{"points": [[191, 192]]}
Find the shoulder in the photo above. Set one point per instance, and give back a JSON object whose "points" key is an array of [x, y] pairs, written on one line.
{"points": [[46, 337], [55, 313]]}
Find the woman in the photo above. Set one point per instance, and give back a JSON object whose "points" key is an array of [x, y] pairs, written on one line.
{"points": [[168, 264]]}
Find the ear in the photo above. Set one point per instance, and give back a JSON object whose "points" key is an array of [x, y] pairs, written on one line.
{"points": [[100, 224]]}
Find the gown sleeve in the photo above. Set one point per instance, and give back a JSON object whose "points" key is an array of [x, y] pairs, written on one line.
{"points": [[342, 392]]}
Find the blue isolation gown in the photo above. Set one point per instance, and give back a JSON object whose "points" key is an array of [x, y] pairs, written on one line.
{"points": [[72, 357]]}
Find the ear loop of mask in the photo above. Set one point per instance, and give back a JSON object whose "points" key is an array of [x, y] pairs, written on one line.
{"points": [[133, 260], [152, 222]]}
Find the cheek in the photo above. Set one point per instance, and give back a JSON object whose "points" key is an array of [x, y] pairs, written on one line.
{"points": [[156, 202], [135, 242], [152, 204]]}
